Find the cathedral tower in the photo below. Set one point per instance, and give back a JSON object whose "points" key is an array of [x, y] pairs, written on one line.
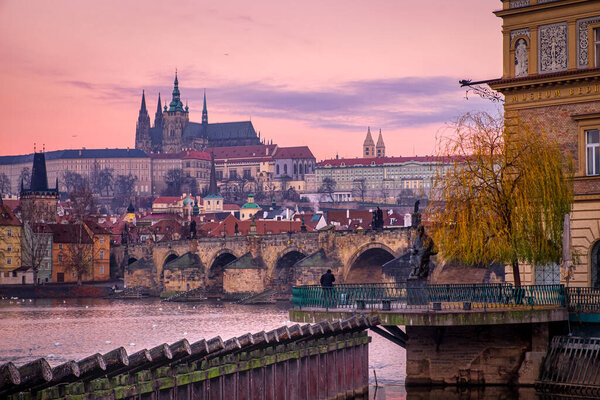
{"points": [[142, 128], [369, 145], [380, 148], [38, 202], [175, 119]]}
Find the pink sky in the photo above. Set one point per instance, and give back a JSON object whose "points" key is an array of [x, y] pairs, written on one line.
{"points": [[311, 73]]}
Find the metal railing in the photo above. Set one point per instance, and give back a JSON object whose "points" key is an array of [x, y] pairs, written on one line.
{"points": [[583, 300], [390, 296]]}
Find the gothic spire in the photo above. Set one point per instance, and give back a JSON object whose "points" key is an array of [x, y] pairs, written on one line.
{"points": [[380, 140], [158, 117], [143, 106], [369, 139], [204, 111]]}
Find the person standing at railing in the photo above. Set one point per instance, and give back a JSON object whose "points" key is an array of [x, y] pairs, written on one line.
{"points": [[327, 280]]}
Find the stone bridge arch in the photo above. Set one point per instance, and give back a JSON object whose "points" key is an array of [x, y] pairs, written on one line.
{"points": [[365, 264], [215, 269], [282, 273]]}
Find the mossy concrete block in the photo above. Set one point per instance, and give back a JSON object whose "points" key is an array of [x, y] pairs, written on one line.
{"points": [[123, 392], [145, 387], [143, 376], [183, 379], [165, 383], [75, 388]]}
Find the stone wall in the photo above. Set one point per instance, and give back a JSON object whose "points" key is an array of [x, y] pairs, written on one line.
{"points": [[497, 354], [180, 280], [246, 280]]}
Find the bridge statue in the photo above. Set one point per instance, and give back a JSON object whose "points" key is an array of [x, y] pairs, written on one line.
{"points": [[420, 256]]}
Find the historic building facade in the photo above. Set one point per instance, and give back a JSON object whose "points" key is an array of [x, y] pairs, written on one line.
{"points": [[551, 82], [173, 132]]}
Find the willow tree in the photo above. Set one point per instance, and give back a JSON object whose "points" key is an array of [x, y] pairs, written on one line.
{"points": [[504, 196]]}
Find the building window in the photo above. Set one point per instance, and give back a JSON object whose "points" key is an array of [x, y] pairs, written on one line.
{"points": [[592, 152], [277, 169], [597, 47], [60, 258], [233, 174], [9, 248], [101, 239], [247, 173], [102, 254], [8, 260], [102, 270], [60, 246], [8, 233]]}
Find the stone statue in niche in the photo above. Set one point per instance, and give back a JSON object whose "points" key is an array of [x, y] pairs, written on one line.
{"points": [[521, 63]]}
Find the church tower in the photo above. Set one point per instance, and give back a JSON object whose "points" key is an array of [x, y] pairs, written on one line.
{"points": [[369, 145], [380, 148], [175, 120], [39, 202], [142, 128], [158, 116]]}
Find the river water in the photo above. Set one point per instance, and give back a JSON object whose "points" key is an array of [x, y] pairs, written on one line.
{"points": [[61, 330]]}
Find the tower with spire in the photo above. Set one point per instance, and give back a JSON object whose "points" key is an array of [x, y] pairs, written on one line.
{"points": [[175, 120], [142, 128], [380, 146], [368, 145], [39, 202]]}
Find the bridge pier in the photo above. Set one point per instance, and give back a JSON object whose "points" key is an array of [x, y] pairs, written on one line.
{"points": [[476, 355]]}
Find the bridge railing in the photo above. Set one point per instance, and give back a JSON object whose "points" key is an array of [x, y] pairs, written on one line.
{"points": [[390, 296], [583, 300]]}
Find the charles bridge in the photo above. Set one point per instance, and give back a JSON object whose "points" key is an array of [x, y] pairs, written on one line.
{"points": [[253, 263]]}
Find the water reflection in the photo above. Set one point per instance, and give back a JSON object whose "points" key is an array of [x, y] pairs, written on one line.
{"points": [[398, 392]]}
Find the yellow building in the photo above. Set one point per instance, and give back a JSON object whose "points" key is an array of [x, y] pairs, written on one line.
{"points": [[551, 82], [101, 250], [10, 244], [248, 210]]}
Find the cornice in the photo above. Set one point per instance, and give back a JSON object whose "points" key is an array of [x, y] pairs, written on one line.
{"points": [[545, 79], [536, 7]]}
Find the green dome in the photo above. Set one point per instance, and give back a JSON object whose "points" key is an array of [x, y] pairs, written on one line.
{"points": [[250, 205], [186, 201]]}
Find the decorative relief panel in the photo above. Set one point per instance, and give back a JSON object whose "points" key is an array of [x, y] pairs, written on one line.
{"points": [[553, 48], [519, 3], [519, 32], [582, 40]]}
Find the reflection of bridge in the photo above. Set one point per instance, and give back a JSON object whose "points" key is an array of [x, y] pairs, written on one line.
{"points": [[245, 264], [466, 334]]}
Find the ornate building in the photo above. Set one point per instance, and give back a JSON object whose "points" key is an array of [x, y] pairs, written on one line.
{"points": [[551, 82], [173, 132]]}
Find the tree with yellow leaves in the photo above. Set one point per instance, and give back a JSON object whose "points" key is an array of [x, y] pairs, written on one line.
{"points": [[505, 196]]}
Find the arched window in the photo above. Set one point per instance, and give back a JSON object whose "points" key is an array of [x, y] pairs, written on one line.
{"points": [[295, 169], [285, 169], [277, 169]]}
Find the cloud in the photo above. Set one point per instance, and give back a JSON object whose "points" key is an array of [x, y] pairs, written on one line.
{"points": [[382, 103]]}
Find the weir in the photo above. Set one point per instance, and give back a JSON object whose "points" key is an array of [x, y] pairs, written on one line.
{"points": [[327, 360]]}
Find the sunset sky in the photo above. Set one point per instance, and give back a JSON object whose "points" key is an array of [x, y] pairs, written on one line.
{"points": [[306, 72]]}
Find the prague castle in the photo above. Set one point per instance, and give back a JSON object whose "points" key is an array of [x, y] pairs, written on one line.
{"points": [[173, 132], [551, 82]]}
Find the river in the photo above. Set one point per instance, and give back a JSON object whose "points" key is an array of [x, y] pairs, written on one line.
{"points": [[61, 330]]}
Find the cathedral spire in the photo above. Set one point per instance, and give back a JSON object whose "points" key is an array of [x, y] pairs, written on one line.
{"points": [[143, 106], [176, 104], [204, 111], [158, 117]]}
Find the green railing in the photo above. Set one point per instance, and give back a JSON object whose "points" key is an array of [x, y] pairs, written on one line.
{"points": [[583, 300], [388, 296]]}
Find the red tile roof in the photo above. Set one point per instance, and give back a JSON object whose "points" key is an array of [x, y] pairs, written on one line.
{"points": [[230, 207], [96, 228], [69, 233], [197, 155], [243, 152], [262, 227], [166, 199], [7, 217], [293, 152]]}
